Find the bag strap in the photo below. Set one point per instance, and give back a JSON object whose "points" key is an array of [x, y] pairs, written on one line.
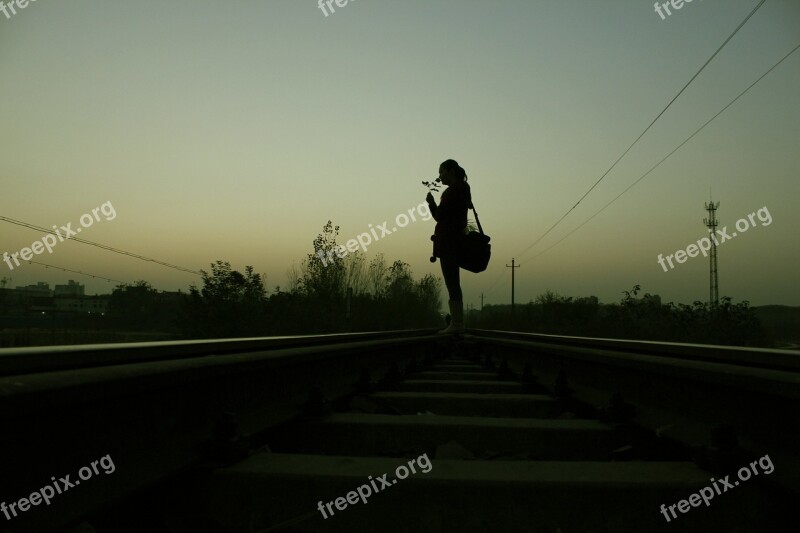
{"points": [[477, 220]]}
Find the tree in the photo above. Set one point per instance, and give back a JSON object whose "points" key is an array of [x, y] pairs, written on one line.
{"points": [[376, 275], [3, 282], [293, 275], [323, 271], [230, 304], [135, 306], [355, 276], [428, 291], [399, 282]]}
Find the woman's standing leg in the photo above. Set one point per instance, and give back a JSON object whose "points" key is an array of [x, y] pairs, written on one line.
{"points": [[451, 274]]}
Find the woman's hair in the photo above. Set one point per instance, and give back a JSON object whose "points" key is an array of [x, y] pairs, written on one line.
{"points": [[459, 172]]}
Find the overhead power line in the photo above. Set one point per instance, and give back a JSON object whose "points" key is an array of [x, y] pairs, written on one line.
{"points": [[672, 152], [716, 52], [646, 129], [78, 272], [101, 246]]}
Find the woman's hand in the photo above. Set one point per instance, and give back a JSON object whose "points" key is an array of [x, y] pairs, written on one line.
{"points": [[430, 199]]}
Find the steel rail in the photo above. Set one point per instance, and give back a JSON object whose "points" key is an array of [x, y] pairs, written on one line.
{"points": [[157, 417], [683, 393], [157, 408], [744, 356], [51, 358]]}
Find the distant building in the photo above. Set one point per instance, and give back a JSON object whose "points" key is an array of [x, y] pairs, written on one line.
{"points": [[170, 297], [69, 299], [70, 289], [82, 304], [40, 289], [652, 299]]}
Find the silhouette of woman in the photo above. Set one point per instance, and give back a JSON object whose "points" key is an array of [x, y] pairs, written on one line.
{"points": [[451, 223]]}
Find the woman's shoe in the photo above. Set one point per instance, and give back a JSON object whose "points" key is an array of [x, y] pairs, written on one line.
{"points": [[456, 318]]}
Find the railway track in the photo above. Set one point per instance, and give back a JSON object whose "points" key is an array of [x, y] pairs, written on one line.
{"points": [[405, 432]]}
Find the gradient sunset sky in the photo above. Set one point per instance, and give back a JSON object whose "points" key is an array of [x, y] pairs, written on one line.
{"points": [[235, 130]]}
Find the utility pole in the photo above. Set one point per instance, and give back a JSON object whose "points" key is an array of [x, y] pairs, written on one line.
{"points": [[512, 267], [481, 306], [348, 302], [711, 223]]}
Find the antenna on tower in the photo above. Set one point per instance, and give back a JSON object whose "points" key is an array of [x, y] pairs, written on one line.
{"points": [[711, 223]]}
